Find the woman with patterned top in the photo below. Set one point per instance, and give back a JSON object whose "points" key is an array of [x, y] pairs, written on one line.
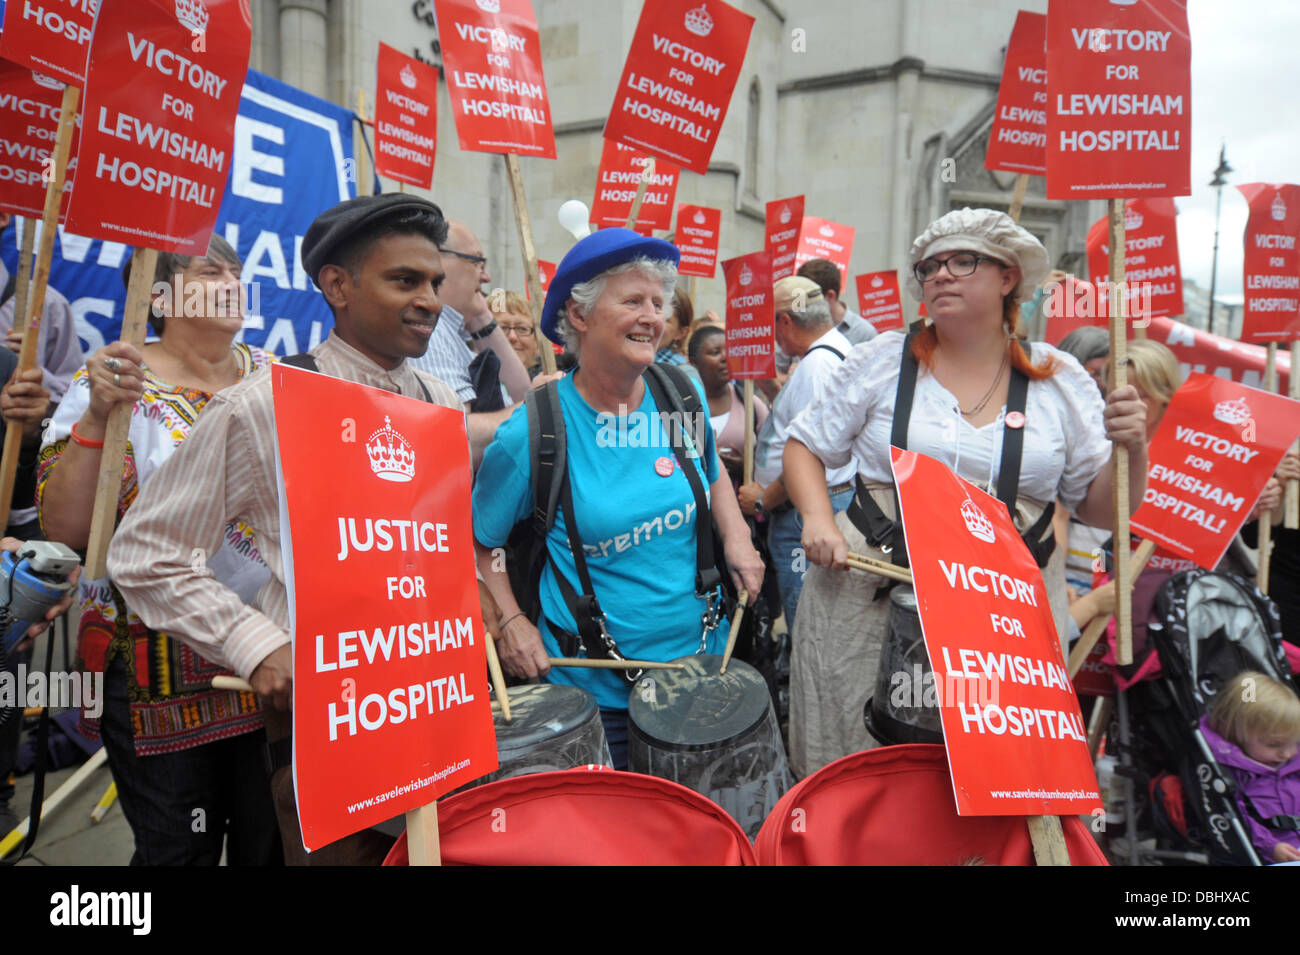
{"points": [[189, 761]]}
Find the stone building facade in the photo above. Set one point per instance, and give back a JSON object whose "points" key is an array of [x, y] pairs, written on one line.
{"points": [[877, 110]]}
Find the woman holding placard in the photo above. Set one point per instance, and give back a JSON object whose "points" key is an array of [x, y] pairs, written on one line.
{"points": [[638, 488], [979, 400], [189, 761]]}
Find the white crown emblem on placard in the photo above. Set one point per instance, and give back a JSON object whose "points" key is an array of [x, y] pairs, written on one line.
{"points": [[408, 77], [541, 275], [489, 6], [698, 21], [1279, 208], [877, 282], [1132, 220], [746, 276], [785, 215], [979, 525], [1233, 412], [391, 455], [699, 217], [49, 82], [192, 14], [827, 231]]}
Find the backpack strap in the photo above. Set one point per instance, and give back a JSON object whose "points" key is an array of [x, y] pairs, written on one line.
{"points": [[308, 360], [1013, 446], [673, 390]]}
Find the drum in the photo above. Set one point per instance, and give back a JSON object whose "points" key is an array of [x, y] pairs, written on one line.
{"points": [[715, 734], [898, 712], [551, 727]]}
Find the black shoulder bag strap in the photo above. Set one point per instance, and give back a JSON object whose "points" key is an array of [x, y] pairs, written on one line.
{"points": [[308, 361], [865, 513], [672, 390], [1008, 486], [830, 348]]}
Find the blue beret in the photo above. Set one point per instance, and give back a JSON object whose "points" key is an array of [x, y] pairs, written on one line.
{"points": [[599, 251]]}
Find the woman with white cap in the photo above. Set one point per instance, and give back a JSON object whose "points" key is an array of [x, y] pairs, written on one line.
{"points": [[629, 525], [969, 393]]}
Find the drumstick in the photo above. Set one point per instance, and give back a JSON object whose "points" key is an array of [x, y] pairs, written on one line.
{"points": [[498, 679], [603, 664], [231, 683], [893, 571], [735, 629]]}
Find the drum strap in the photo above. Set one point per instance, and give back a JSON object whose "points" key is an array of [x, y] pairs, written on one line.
{"points": [[887, 535]]}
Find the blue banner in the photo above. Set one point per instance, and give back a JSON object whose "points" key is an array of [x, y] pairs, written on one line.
{"points": [[292, 159]]}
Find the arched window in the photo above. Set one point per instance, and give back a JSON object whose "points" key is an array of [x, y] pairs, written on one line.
{"points": [[751, 142]]}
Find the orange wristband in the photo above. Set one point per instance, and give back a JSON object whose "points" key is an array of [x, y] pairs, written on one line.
{"points": [[84, 442]]}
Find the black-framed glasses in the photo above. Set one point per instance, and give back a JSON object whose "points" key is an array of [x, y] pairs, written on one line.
{"points": [[479, 260], [960, 265]]}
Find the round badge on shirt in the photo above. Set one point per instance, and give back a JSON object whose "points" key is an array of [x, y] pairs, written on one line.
{"points": [[664, 466], [1015, 420]]}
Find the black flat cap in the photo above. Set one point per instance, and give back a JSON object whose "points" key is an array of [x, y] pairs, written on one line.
{"points": [[347, 219]]}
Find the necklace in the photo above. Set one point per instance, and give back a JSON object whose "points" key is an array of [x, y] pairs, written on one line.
{"points": [[1006, 358]]}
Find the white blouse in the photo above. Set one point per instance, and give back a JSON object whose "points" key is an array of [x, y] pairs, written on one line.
{"points": [[1065, 444]]}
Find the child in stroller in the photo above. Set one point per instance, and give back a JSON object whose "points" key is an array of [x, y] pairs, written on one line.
{"points": [[1254, 729]]}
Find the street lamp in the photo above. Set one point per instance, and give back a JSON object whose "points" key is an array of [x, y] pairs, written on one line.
{"points": [[1218, 182]]}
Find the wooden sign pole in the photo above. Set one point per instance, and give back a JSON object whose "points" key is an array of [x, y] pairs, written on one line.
{"points": [[1048, 840], [647, 173], [1018, 196], [422, 836], [1083, 646], [1266, 517], [749, 430], [1120, 484], [365, 180], [108, 487], [28, 319], [531, 275], [1292, 505], [23, 281]]}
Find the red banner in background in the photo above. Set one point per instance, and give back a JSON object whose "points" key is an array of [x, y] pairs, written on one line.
{"points": [[1018, 138], [751, 339], [824, 239], [1217, 445], [784, 217], [677, 82], [30, 104], [698, 228], [390, 706], [1216, 355], [51, 36], [1272, 265], [1119, 115], [879, 300], [1152, 269], [544, 272], [617, 181], [165, 79], [406, 118], [1014, 734], [493, 65]]}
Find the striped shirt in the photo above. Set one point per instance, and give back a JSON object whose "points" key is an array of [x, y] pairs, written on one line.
{"points": [[448, 357], [225, 471]]}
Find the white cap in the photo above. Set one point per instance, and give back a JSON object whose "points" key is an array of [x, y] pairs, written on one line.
{"points": [[992, 233]]}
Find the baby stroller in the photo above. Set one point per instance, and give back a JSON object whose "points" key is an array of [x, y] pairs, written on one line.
{"points": [[1204, 628]]}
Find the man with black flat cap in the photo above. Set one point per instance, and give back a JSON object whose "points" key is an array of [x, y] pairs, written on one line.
{"points": [[376, 260]]}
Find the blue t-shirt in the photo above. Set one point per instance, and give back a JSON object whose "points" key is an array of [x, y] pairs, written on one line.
{"points": [[638, 531]]}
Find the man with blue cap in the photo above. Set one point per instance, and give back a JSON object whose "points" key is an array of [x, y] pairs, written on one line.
{"points": [[626, 530]]}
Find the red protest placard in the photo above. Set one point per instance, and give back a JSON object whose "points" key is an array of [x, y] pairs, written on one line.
{"points": [[879, 300], [621, 169], [1217, 445], [1018, 138], [406, 118], [51, 36], [698, 228], [1152, 270], [544, 272], [751, 338], [493, 64], [1222, 357], [678, 79], [1073, 303], [783, 217], [1119, 111], [823, 239], [1272, 265], [390, 706], [164, 85], [30, 104], [1011, 722]]}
